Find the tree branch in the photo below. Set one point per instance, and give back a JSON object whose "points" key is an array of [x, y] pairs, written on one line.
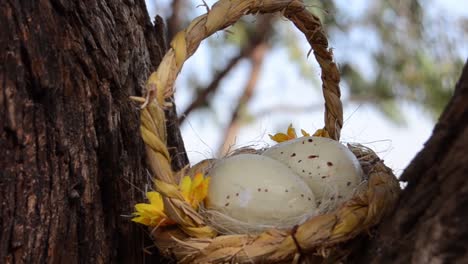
{"points": [[288, 108], [174, 21], [256, 58], [259, 42], [202, 97]]}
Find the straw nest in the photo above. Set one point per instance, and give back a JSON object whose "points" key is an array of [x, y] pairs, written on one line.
{"points": [[191, 239]]}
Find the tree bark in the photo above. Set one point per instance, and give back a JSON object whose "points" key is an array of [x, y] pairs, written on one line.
{"points": [[72, 163], [430, 223]]}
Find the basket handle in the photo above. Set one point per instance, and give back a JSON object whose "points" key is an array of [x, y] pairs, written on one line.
{"points": [[160, 87], [224, 13]]}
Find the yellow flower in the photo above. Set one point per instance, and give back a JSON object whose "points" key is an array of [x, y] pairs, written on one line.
{"points": [[151, 214], [304, 133], [291, 134], [194, 190], [281, 137], [321, 133]]}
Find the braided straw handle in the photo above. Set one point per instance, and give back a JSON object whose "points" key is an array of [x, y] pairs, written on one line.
{"points": [[225, 13]]}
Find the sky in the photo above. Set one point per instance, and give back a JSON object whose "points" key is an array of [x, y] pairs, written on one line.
{"points": [[281, 83]]}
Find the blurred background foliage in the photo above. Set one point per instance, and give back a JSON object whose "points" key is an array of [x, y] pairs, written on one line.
{"points": [[403, 51]]}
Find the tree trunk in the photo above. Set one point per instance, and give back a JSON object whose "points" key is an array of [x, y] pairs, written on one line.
{"points": [[73, 161], [430, 223]]}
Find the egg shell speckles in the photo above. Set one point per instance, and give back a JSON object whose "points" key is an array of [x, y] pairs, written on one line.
{"points": [[330, 169], [259, 190]]}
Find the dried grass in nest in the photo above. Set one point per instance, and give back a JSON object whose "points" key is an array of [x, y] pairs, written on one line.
{"points": [[193, 240], [317, 235]]}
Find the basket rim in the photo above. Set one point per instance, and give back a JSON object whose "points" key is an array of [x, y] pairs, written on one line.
{"points": [[319, 234]]}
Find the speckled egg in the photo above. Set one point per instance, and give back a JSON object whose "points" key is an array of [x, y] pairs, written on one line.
{"points": [[330, 169], [257, 190]]}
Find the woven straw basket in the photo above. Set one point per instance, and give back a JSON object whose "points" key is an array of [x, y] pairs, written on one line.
{"points": [[191, 239]]}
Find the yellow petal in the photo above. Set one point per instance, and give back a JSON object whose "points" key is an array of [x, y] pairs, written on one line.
{"points": [[321, 133], [194, 190], [204, 186], [291, 132], [155, 199], [142, 220], [279, 137], [148, 210], [150, 214], [143, 208], [197, 180], [304, 133], [200, 190], [185, 185]]}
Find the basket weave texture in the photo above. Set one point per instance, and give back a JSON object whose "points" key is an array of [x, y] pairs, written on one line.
{"points": [[191, 240]]}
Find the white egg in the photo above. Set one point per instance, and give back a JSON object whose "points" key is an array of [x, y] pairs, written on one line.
{"points": [[258, 191], [330, 169]]}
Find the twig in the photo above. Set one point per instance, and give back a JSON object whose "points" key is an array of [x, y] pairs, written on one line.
{"points": [[256, 58], [287, 108], [202, 97], [174, 21], [264, 28], [262, 33]]}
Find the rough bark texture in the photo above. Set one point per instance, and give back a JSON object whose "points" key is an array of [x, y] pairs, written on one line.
{"points": [[72, 157], [430, 224], [72, 160]]}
